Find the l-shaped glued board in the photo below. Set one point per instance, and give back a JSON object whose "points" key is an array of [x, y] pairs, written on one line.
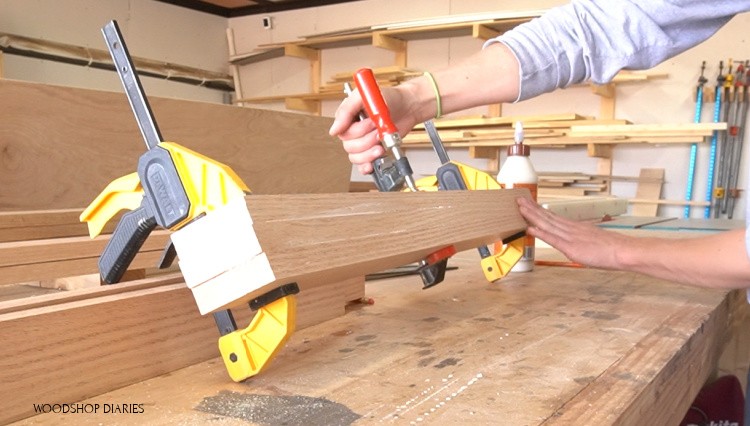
{"points": [[337, 236]]}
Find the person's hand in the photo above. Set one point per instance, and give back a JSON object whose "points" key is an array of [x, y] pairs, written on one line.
{"points": [[360, 138], [581, 242]]}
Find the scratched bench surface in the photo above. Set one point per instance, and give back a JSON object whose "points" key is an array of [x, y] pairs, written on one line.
{"points": [[553, 346]]}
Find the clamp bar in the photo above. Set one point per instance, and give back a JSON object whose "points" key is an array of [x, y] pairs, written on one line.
{"points": [[437, 143], [133, 88]]}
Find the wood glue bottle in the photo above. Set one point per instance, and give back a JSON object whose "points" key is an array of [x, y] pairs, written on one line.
{"points": [[518, 172]]}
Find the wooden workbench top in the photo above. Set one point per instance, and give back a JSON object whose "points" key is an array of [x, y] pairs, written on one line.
{"points": [[560, 345]]}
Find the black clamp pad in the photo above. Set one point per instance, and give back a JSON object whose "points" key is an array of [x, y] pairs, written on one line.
{"points": [[433, 274], [274, 295]]}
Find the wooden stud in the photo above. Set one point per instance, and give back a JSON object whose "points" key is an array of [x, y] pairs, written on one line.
{"points": [[483, 32], [301, 52], [604, 90], [483, 152], [663, 202], [234, 68], [492, 154], [607, 93], [604, 153], [600, 151], [316, 76], [314, 56], [495, 110], [384, 41], [493, 163], [276, 222], [296, 104], [379, 39], [607, 108]]}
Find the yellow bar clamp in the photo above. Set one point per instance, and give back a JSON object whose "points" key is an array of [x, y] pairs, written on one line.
{"points": [[499, 264], [208, 185]]}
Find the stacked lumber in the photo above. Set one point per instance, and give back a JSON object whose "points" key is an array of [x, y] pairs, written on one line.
{"points": [[558, 185], [476, 25], [570, 184], [385, 77], [557, 130]]}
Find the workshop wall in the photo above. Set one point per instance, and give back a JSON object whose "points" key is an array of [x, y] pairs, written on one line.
{"points": [[152, 30], [660, 101]]}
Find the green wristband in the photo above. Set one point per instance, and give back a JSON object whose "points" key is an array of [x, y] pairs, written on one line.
{"points": [[439, 112]]}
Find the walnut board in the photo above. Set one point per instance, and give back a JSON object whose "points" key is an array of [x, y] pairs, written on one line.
{"points": [[337, 236], [556, 346], [60, 146]]}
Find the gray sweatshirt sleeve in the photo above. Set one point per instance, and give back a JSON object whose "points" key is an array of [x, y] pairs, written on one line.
{"points": [[594, 39]]}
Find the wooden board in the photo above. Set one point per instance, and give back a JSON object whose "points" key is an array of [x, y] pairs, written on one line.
{"points": [[633, 222], [337, 236], [60, 146], [301, 234], [648, 189], [468, 122], [41, 224], [647, 130], [555, 346], [66, 257], [111, 337], [587, 208], [695, 224]]}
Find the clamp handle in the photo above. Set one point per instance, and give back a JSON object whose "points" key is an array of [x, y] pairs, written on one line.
{"points": [[386, 174], [131, 232], [374, 103]]}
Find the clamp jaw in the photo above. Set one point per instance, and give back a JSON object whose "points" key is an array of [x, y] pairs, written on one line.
{"points": [[180, 186], [451, 176], [246, 352], [173, 187]]}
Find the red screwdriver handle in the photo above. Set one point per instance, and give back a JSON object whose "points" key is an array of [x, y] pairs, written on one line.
{"points": [[374, 103]]}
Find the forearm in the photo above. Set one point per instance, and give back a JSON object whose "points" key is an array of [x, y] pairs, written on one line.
{"points": [[489, 76], [594, 39], [718, 261]]}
